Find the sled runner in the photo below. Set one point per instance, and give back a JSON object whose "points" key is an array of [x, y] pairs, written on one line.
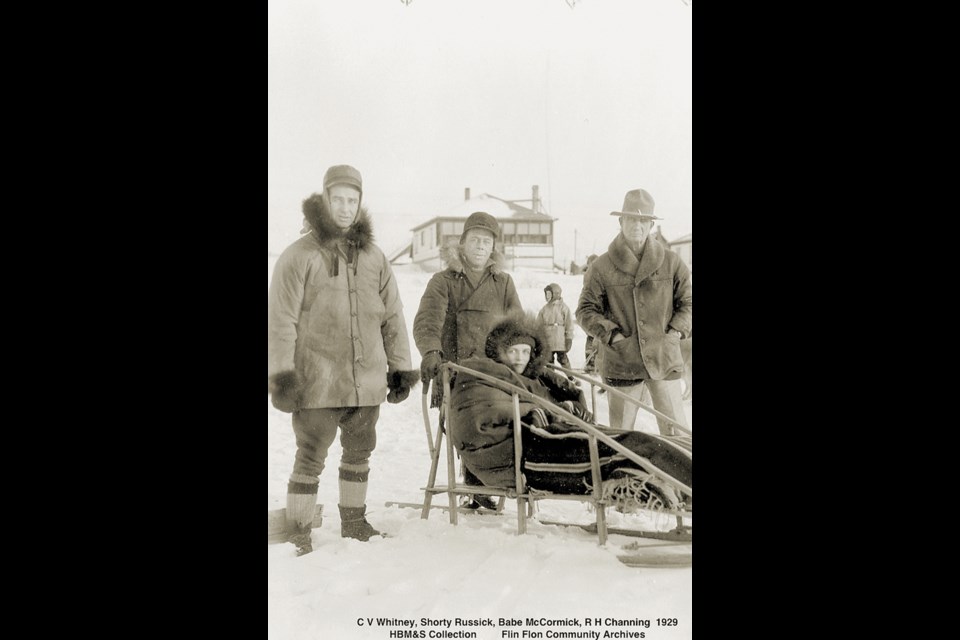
{"points": [[632, 482], [464, 510]]}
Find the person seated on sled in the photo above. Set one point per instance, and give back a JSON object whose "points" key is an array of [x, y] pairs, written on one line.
{"points": [[556, 454]]}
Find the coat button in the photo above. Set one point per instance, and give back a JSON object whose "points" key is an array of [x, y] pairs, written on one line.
{"points": [[642, 341], [640, 322], [358, 385]]}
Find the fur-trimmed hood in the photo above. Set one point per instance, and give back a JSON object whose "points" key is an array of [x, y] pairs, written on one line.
{"points": [[554, 289], [452, 254], [316, 211], [506, 332]]}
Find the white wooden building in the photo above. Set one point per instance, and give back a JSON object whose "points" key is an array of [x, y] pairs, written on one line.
{"points": [[526, 233]]}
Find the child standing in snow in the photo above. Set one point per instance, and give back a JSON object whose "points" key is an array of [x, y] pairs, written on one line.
{"points": [[557, 323]]}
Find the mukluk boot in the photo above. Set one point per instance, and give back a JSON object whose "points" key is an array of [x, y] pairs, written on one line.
{"points": [[353, 524], [353, 502]]}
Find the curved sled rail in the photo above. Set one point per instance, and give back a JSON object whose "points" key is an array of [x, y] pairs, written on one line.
{"points": [[644, 464], [620, 394]]}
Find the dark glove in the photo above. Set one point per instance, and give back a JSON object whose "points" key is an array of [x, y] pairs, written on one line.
{"points": [[577, 410], [284, 389], [567, 344], [399, 383], [430, 366], [537, 418]]}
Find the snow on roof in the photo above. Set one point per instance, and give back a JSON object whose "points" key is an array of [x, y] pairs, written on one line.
{"points": [[497, 207]]}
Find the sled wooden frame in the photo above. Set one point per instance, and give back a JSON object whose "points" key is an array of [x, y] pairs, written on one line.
{"points": [[620, 394], [526, 497]]}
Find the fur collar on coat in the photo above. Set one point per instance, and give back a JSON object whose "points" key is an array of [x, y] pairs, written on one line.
{"points": [[452, 254], [316, 210]]}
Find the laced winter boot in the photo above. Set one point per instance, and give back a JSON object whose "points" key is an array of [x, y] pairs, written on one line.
{"points": [[353, 524]]}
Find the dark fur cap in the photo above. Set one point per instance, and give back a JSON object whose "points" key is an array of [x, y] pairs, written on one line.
{"points": [[513, 330]]}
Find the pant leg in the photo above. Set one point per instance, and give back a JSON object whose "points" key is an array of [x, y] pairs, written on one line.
{"points": [[623, 414], [315, 430], [358, 438], [667, 397]]}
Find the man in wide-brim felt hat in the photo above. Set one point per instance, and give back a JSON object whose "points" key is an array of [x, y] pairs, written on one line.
{"points": [[637, 300]]}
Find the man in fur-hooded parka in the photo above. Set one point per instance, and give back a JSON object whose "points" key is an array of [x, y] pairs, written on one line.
{"points": [[337, 343], [335, 314]]}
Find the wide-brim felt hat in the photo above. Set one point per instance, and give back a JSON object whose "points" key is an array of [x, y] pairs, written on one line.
{"points": [[637, 204]]}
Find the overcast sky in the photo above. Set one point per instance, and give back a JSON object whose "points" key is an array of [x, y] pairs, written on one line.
{"points": [[495, 95]]}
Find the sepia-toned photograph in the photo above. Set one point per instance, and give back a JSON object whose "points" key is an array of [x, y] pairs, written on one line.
{"points": [[479, 319]]}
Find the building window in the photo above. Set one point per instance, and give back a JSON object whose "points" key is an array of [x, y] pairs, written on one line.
{"points": [[532, 233]]}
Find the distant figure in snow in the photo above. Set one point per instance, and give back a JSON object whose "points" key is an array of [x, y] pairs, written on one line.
{"points": [[460, 306], [337, 347], [557, 322], [637, 300]]}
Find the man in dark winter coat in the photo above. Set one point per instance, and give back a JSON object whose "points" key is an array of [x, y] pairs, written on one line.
{"points": [[462, 303], [637, 300], [590, 349], [337, 347]]}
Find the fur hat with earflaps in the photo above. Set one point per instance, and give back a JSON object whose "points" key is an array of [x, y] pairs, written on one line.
{"points": [[554, 290], [517, 329]]}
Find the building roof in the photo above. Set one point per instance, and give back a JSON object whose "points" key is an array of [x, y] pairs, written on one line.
{"points": [[497, 207], [682, 239]]}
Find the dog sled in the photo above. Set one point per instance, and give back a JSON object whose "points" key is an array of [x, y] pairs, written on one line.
{"points": [[614, 476]]}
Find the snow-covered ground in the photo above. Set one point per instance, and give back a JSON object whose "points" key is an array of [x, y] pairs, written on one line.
{"points": [[479, 569]]}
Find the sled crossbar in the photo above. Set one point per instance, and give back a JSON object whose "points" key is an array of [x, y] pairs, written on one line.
{"points": [[620, 394]]}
